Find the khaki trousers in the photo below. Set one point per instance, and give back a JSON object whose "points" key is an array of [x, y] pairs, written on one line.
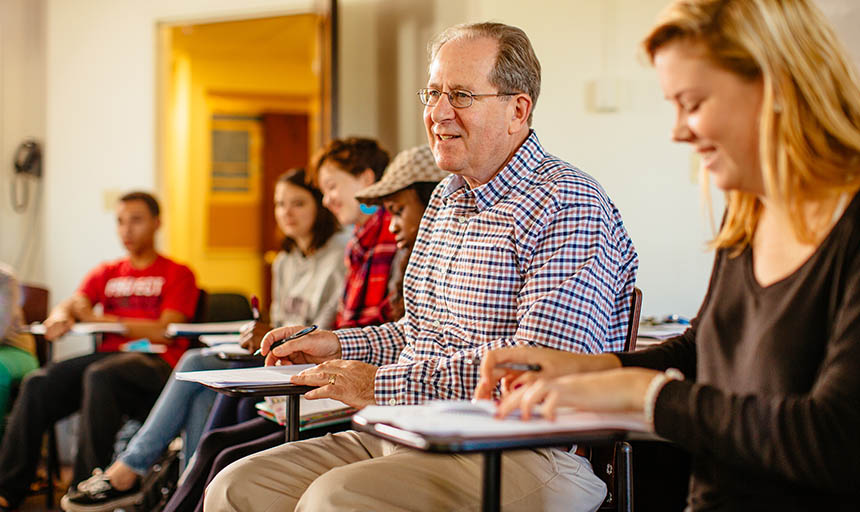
{"points": [[357, 471]]}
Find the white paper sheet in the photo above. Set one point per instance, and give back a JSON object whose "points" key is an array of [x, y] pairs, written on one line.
{"points": [[219, 339], [245, 376], [226, 348], [84, 328], [458, 418], [207, 328], [661, 331]]}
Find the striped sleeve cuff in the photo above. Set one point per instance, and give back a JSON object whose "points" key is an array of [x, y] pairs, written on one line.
{"points": [[354, 344]]}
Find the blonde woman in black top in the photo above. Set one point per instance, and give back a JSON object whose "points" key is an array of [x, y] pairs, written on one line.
{"points": [[764, 388]]}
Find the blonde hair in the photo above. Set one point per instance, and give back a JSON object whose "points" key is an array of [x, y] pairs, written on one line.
{"points": [[809, 127]]}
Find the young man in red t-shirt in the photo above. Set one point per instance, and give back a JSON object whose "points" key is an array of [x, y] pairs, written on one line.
{"points": [[143, 291]]}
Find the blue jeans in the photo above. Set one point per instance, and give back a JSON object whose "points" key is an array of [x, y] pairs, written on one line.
{"points": [[181, 406]]}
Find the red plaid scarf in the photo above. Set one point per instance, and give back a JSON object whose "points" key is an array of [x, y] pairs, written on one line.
{"points": [[369, 254]]}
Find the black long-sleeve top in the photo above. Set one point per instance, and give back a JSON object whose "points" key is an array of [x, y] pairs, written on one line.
{"points": [[770, 408]]}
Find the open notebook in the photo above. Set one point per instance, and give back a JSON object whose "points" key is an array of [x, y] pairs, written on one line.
{"points": [[466, 418]]}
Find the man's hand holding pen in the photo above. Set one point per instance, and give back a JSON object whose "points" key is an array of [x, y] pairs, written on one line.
{"points": [[351, 382], [315, 347]]}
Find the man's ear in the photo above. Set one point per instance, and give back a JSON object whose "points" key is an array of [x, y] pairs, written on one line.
{"points": [[521, 108], [367, 177]]}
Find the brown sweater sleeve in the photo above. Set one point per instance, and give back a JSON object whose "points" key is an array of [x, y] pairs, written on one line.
{"points": [[810, 438]]}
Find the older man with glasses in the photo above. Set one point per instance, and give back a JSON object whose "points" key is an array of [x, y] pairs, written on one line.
{"points": [[516, 248]]}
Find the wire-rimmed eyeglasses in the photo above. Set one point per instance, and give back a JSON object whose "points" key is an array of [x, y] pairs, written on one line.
{"points": [[458, 98]]}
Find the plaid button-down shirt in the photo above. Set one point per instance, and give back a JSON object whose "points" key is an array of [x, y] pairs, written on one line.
{"points": [[537, 256]]}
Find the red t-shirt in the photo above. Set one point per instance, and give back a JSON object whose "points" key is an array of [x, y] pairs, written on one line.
{"points": [[128, 292]]}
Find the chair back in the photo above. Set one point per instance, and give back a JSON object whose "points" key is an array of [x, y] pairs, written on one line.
{"points": [[200, 307], [34, 302], [227, 307], [633, 323]]}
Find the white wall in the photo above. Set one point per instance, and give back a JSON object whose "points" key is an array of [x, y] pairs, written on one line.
{"points": [[628, 150], [22, 116], [101, 108], [100, 104]]}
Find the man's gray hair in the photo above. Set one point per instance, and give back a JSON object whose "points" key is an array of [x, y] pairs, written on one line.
{"points": [[517, 68]]}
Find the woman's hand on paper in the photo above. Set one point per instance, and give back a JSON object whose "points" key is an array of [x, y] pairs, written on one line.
{"points": [[553, 364], [315, 348], [251, 338], [620, 389], [351, 382]]}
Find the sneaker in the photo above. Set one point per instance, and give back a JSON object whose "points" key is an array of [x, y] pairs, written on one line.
{"points": [[96, 494]]}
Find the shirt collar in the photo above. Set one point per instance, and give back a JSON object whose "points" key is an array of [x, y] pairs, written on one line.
{"points": [[527, 157]]}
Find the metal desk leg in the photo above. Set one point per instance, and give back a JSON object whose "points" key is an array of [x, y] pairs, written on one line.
{"points": [[292, 418], [492, 481], [624, 476]]}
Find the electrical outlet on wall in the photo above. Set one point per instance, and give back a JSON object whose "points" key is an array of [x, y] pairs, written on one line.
{"points": [[603, 95]]}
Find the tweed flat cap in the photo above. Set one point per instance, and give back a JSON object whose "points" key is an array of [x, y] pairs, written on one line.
{"points": [[414, 165]]}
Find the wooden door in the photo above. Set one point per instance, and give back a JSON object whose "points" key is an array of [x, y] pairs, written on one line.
{"points": [[285, 145]]}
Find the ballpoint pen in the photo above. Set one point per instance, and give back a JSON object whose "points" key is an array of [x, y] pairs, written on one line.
{"points": [[306, 330]]}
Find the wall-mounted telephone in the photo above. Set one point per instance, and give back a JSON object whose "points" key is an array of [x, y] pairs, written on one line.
{"points": [[28, 158], [28, 165]]}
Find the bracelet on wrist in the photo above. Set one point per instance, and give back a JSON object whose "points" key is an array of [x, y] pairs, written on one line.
{"points": [[654, 388]]}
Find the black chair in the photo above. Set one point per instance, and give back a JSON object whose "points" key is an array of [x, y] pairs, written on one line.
{"points": [[614, 463], [226, 307]]}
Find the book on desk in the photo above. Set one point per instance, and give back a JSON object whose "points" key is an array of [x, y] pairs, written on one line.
{"points": [[197, 329], [313, 413]]}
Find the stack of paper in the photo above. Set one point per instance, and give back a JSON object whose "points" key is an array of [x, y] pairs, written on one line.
{"points": [[219, 339], [661, 331], [207, 328], [464, 418], [227, 348], [244, 376], [83, 328]]}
